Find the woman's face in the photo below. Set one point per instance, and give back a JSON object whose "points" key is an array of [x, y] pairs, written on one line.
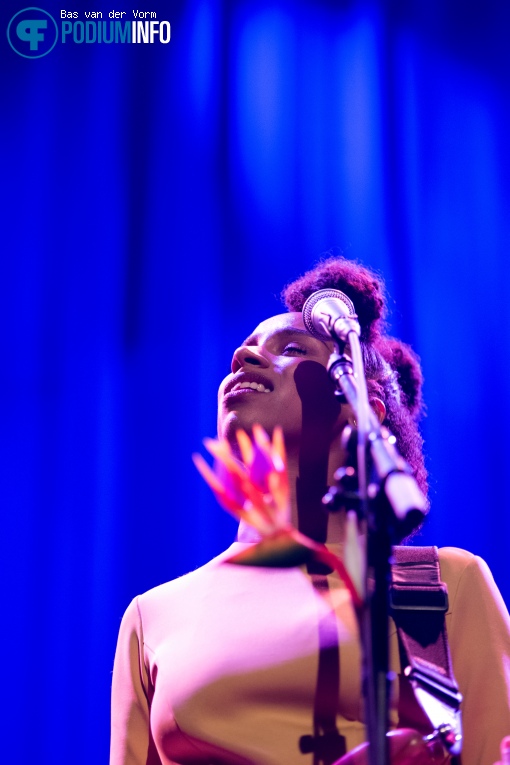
{"points": [[279, 377]]}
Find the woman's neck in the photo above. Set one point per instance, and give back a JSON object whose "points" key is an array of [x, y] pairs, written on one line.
{"points": [[308, 483]]}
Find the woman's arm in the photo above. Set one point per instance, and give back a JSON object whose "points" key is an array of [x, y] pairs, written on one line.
{"points": [[479, 638], [131, 740]]}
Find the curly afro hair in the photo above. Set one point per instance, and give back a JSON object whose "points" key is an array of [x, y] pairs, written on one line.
{"points": [[392, 368]]}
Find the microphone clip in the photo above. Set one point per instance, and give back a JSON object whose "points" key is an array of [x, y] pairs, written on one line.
{"points": [[339, 365]]}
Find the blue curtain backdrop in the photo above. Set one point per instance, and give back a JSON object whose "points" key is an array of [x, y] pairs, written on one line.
{"points": [[155, 199]]}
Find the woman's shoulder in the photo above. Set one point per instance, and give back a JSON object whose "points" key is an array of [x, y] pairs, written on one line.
{"points": [[454, 561], [456, 564], [469, 580], [179, 597], [181, 583]]}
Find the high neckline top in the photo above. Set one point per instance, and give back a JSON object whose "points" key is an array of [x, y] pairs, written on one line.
{"points": [[237, 664]]}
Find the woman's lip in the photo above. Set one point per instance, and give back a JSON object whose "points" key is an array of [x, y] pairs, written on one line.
{"points": [[250, 377], [242, 391]]}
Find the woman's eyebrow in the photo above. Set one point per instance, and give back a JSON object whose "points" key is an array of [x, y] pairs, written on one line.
{"points": [[253, 339]]}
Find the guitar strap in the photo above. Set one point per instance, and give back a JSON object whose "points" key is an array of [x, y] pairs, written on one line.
{"points": [[418, 605]]}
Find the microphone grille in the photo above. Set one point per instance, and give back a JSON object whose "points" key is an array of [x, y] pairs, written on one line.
{"points": [[312, 301]]}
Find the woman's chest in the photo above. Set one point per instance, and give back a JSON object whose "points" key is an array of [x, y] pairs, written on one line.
{"points": [[255, 657]]}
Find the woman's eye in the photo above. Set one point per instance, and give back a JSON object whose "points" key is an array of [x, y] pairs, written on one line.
{"points": [[295, 349]]}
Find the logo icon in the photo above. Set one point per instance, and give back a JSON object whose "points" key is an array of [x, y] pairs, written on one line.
{"points": [[32, 33]]}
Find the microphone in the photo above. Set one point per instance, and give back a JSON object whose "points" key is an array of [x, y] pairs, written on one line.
{"points": [[330, 314]]}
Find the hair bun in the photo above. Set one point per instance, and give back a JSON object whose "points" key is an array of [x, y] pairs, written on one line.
{"points": [[407, 366], [362, 286]]}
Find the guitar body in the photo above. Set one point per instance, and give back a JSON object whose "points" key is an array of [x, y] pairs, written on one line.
{"points": [[406, 747]]}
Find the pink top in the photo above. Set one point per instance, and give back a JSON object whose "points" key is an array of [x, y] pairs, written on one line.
{"points": [[220, 666]]}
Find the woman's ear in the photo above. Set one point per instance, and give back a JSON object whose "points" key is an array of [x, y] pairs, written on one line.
{"points": [[379, 409]]}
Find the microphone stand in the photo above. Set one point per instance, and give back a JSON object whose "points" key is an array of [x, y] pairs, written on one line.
{"points": [[390, 506]]}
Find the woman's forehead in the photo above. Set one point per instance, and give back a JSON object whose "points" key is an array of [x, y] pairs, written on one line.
{"points": [[275, 324]]}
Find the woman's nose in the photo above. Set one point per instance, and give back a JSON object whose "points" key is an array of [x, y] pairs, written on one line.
{"points": [[248, 356]]}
